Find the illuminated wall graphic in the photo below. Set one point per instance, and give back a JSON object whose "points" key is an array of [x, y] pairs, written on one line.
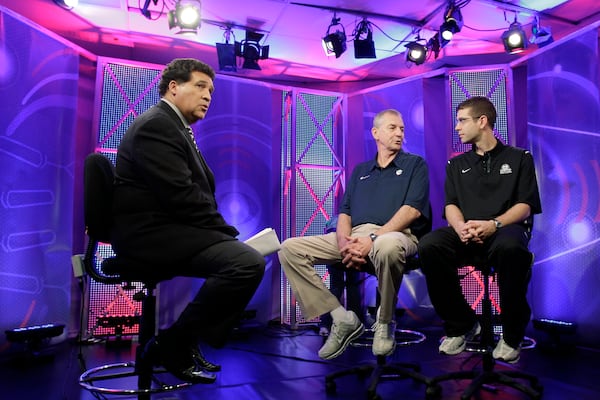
{"points": [[38, 87], [564, 134]]}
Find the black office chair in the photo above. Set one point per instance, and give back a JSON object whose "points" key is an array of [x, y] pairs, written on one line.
{"points": [[486, 375], [382, 370], [98, 189]]}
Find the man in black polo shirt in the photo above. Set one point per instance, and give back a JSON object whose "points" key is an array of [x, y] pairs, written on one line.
{"points": [[384, 211], [491, 194]]}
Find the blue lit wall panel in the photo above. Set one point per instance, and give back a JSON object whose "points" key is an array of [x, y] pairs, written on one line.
{"points": [[564, 136], [39, 88]]}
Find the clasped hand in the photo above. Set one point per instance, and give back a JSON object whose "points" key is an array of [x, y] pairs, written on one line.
{"points": [[354, 252], [476, 231]]}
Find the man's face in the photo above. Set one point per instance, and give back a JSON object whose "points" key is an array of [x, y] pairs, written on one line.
{"points": [[389, 135], [193, 97], [468, 127]]}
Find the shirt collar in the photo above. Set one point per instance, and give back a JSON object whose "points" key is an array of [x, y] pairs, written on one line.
{"points": [[495, 151], [395, 162], [179, 114]]}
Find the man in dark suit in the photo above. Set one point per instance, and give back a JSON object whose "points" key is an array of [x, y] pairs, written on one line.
{"points": [[166, 214]]}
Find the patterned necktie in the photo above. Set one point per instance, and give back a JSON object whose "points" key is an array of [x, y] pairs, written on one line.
{"points": [[191, 133]]}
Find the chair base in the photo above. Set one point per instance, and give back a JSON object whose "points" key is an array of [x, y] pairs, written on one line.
{"points": [[483, 378], [379, 371], [95, 379]]}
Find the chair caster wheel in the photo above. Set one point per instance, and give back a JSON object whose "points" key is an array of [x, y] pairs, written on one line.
{"points": [[330, 387], [433, 392]]}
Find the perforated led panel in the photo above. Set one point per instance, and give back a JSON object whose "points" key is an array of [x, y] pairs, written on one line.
{"points": [[489, 83], [312, 172], [112, 310], [126, 91]]}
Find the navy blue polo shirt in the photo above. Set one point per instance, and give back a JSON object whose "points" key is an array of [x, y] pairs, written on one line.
{"points": [[373, 194], [484, 187]]}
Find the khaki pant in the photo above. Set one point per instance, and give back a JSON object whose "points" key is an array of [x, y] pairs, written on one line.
{"points": [[388, 255]]}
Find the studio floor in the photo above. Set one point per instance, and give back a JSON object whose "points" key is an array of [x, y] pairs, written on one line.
{"points": [[277, 363]]}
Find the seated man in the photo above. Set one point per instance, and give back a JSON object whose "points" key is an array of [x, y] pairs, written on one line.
{"points": [[384, 210], [490, 194], [165, 213]]}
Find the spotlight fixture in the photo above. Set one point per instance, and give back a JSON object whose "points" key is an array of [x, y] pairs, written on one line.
{"points": [[68, 4], [145, 12], [416, 52], [364, 47], [335, 43], [226, 52], [251, 50], [185, 16], [514, 39], [540, 35], [453, 23]]}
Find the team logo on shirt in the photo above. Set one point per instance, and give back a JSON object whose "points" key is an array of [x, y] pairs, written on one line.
{"points": [[505, 169]]}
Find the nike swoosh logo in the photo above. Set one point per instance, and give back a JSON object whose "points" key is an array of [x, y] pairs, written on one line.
{"points": [[364, 177], [464, 171]]}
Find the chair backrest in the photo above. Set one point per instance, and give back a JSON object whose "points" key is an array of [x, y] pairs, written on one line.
{"points": [[98, 180], [98, 177]]}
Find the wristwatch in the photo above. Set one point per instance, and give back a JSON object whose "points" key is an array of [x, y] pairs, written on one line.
{"points": [[373, 237], [497, 223]]}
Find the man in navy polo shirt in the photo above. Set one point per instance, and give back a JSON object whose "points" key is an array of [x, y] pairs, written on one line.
{"points": [[384, 211], [491, 194]]}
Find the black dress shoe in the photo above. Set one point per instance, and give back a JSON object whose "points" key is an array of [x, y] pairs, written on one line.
{"points": [[177, 362], [202, 362]]}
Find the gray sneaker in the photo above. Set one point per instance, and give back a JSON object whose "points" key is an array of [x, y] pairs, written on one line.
{"points": [[342, 333], [384, 340], [504, 352], [452, 345]]}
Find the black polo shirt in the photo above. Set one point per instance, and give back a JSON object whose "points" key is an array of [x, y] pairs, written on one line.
{"points": [[484, 187]]}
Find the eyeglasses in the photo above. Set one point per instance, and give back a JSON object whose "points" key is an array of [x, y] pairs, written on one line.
{"points": [[463, 120]]}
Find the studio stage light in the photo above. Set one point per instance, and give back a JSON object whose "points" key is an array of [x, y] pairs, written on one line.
{"points": [[514, 39], [334, 43], [416, 52], [185, 16], [251, 50], [226, 52], [453, 23], [540, 35], [364, 46]]}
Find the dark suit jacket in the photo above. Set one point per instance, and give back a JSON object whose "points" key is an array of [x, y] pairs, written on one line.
{"points": [[164, 202]]}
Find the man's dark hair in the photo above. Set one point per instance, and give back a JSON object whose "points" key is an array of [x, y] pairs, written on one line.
{"points": [[480, 105], [179, 70]]}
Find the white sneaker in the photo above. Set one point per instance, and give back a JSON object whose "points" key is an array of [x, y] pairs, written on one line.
{"points": [[340, 336], [452, 345], [384, 339], [503, 352]]}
